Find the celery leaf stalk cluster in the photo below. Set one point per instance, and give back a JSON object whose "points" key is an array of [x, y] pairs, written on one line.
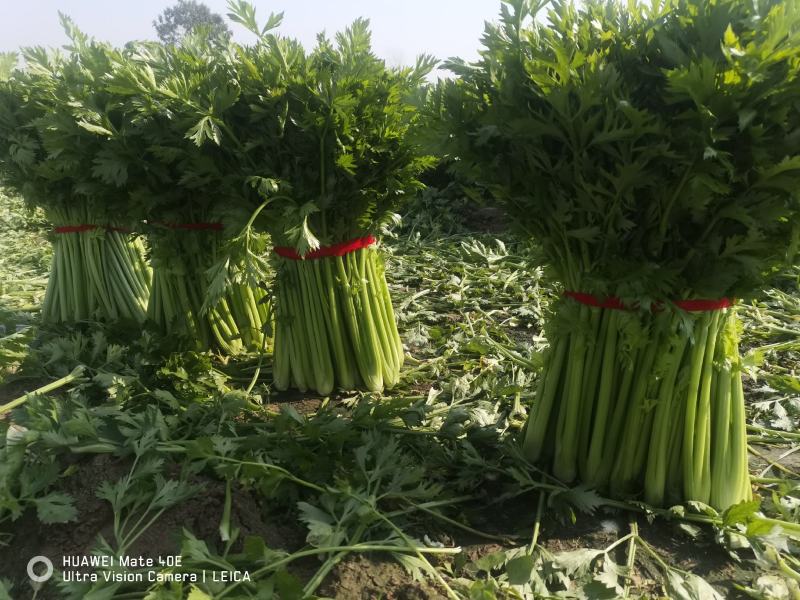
{"points": [[654, 153], [323, 141], [53, 124], [182, 184]]}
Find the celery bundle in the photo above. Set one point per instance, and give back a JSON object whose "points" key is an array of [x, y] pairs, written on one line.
{"points": [[177, 183], [653, 151], [323, 142], [51, 153]]}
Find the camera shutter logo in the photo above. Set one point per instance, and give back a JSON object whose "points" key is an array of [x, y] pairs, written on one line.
{"points": [[48, 573]]}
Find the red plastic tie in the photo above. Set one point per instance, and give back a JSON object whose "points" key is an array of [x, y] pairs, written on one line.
{"points": [[703, 305], [615, 303], [326, 251], [590, 300], [87, 227]]}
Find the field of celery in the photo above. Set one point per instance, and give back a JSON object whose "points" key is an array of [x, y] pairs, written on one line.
{"points": [[419, 492], [291, 322]]}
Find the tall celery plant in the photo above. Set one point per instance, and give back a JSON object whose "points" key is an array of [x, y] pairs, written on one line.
{"points": [[653, 151], [54, 120], [179, 180], [321, 139]]}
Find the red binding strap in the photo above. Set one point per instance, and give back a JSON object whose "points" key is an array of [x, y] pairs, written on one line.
{"points": [[87, 227], [703, 305], [615, 303], [590, 300], [326, 251]]}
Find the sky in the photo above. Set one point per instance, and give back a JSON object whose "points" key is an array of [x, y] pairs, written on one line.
{"points": [[401, 29]]}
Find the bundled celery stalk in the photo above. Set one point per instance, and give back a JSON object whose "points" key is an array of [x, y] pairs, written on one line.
{"points": [[182, 256], [336, 323], [329, 159], [654, 153], [52, 129], [180, 183], [631, 401], [98, 271]]}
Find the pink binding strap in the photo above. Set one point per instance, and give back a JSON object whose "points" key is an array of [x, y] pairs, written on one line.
{"points": [[615, 303], [326, 251]]}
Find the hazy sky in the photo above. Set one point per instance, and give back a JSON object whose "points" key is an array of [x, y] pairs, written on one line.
{"points": [[401, 29]]}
